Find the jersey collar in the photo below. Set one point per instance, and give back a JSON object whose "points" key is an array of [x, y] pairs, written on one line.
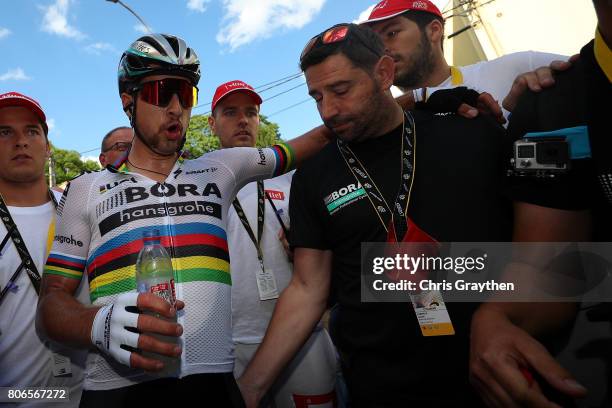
{"points": [[456, 76], [120, 166]]}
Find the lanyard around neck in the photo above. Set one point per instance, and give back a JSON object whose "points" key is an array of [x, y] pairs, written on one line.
{"points": [[26, 259], [395, 216], [260, 219]]}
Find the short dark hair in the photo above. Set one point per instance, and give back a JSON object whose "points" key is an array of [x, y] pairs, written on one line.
{"points": [[362, 46], [422, 20], [109, 134]]}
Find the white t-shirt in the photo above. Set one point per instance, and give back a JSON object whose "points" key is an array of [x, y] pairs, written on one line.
{"points": [[25, 358], [250, 315], [496, 76]]}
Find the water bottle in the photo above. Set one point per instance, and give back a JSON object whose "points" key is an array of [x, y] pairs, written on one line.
{"points": [[154, 274]]}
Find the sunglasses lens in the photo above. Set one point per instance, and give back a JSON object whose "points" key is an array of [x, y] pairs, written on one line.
{"points": [[334, 34], [308, 47], [160, 93], [150, 93], [188, 94]]}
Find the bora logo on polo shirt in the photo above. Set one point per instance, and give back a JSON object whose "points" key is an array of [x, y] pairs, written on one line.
{"points": [[343, 197]]}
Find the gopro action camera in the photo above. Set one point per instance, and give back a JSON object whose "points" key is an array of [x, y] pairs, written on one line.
{"points": [[545, 157]]}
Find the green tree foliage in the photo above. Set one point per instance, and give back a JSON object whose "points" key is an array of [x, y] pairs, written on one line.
{"points": [[68, 164], [201, 140]]}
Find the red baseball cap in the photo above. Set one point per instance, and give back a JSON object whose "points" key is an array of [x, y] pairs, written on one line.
{"points": [[234, 86], [391, 8], [16, 99]]}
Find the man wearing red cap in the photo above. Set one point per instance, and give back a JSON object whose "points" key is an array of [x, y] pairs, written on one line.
{"points": [[27, 211], [413, 32], [260, 268]]}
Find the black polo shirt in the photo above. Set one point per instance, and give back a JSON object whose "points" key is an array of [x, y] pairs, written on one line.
{"points": [[457, 196]]}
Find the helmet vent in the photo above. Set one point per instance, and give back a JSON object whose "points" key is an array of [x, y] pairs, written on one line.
{"points": [[174, 44], [157, 46]]}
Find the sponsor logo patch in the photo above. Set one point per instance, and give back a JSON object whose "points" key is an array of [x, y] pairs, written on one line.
{"points": [[276, 195], [419, 5], [110, 186], [343, 197], [134, 194], [262, 157], [68, 240], [159, 210], [202, 171]]}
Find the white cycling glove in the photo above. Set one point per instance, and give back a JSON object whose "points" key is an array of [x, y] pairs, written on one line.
{"points": [[109, 332]]}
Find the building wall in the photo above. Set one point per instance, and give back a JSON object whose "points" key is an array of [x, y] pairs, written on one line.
{"points": [[506, 26]]}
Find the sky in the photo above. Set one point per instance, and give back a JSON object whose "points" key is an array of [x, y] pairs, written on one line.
{"points": [[65, 53]]}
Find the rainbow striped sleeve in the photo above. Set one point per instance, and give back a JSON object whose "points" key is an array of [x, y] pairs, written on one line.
{"points": [[64, 265], [285, 158]]}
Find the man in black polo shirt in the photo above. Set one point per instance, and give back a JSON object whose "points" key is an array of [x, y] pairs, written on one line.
{"points": [[454, 166]]}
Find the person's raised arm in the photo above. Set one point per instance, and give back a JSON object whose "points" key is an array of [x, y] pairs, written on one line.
{"points": [[309, 144], [465, 102], [535, 80]]}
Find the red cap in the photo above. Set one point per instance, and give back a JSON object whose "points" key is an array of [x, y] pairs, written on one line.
{"points": [[234, 86], [391, 8], [16, 99]]}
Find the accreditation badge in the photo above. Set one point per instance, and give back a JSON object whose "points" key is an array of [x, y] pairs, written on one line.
{"points": [[429, 306], [266, 283], [432, 314]]}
